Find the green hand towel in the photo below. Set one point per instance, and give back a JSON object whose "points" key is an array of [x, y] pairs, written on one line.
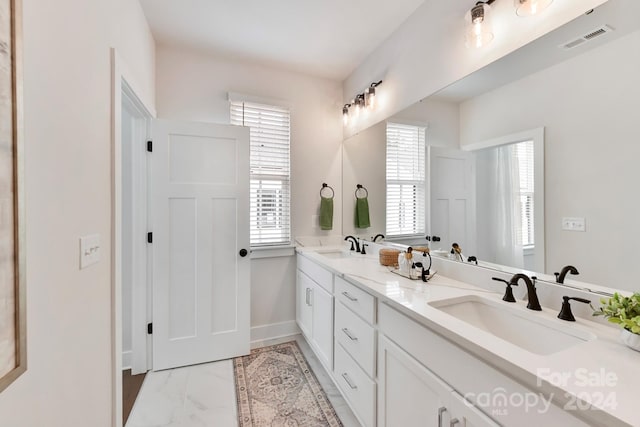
{"points": [[326, 213], [362, 213]]}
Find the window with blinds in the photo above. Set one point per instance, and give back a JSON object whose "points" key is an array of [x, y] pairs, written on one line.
{"points": [[523, 153], [405, 180], [269, 169]]}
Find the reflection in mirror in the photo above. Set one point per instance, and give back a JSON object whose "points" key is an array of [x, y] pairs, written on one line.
{"points": [[509, 194], [583, 101]]}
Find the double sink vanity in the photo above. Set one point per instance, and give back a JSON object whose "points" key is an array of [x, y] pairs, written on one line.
{"points": [[451, 352]]}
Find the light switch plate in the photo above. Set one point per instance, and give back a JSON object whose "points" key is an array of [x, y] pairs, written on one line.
{"points": [[574, 224], [89, 250]]}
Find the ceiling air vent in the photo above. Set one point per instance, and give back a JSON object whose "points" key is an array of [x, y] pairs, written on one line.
{"points": [[591, 35]]}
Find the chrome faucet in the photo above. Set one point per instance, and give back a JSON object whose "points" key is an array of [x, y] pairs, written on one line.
{"points": [[532, 296], [568, 269], [355, 246]]}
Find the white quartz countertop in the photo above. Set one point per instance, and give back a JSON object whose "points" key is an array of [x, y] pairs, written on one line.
{"points": [[600, 377]]}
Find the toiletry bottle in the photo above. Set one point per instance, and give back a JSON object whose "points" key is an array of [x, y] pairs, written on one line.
{"points": [[400, 261]]}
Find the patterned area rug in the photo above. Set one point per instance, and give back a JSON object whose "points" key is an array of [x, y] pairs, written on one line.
{"points": [[276, 387]]}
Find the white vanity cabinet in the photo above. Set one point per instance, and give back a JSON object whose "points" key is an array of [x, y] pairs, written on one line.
{"points": [[410, 394], [314, 308], [460, 371], [394, 371]]}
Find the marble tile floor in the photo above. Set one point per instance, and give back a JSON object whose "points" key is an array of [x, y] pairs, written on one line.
{"points": [[204, 395]]}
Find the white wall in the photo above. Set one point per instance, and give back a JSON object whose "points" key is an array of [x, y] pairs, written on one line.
{"points": [[589, 107], [427, 52], [67, 99], [194, 86], [441, 117]]}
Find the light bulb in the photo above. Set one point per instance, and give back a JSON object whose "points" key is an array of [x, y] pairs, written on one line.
{"points": [[531, 7]]}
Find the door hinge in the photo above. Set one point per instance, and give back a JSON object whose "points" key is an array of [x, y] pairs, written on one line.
{"points": [[150, 146], [149, 328], [149, 237]]}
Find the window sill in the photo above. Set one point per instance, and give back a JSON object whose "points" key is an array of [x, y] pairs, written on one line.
{"points": [[272, 251]]}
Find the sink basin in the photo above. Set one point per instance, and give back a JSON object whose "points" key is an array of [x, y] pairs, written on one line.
{"points": [[520, 327], [334, 254]]}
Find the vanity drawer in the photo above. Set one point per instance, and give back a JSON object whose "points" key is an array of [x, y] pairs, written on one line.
{"points": [[357, 337], [356, 300], [357, 387], [321, 276]]}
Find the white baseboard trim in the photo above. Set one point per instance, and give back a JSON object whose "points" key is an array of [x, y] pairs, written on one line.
{"points": [[127, 356], [274, 330]]}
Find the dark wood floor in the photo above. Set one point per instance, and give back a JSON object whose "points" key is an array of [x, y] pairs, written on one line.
{"points": [[130, 388]]}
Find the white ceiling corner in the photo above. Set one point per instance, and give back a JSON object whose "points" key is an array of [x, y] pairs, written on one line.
{"points": [[326, 38]]}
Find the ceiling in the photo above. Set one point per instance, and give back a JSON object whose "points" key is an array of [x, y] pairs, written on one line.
{"points": [[326, 38]]}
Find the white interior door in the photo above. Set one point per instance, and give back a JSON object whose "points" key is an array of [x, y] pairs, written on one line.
{"points": [[200, 187], [452, 198]]}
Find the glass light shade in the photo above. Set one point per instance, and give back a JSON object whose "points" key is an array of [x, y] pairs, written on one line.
{"points": [[355, 109], [531, 7], [479, 31], [371, 98], [359, 105], [345, 115]]}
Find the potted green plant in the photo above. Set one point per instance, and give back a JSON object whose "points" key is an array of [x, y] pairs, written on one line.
{"points": [[624, 311]]}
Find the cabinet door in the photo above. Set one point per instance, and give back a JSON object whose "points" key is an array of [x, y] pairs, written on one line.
{"points": [[322, 325], [468, 415], [304, 314], [408, 393]]}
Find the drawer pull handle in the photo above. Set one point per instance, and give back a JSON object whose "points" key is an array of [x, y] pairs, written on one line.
{"points": [[346, 378], [348, 333], [352, 298], [306, 299], [453, 422], [441, 411]]}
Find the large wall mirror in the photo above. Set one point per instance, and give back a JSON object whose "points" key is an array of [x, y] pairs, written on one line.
{"points": [[529, 163]]}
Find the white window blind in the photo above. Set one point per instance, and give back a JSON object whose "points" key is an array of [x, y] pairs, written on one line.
{"points": [[405, 180], [523, 153], [270, 171]]}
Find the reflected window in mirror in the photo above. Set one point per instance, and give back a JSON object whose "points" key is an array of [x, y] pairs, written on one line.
{"points": [[506, 199], [523, 153], [405, 180]]}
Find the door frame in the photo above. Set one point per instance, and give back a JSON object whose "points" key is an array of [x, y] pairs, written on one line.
{"points": [[122, 82]]}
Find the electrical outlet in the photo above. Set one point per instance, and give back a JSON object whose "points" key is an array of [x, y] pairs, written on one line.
{"points": [[573, 224], [89, 250]]}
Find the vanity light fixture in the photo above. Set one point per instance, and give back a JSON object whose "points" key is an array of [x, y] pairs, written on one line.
{"points": [[531, 7], [479, 31], [361, 102]]}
